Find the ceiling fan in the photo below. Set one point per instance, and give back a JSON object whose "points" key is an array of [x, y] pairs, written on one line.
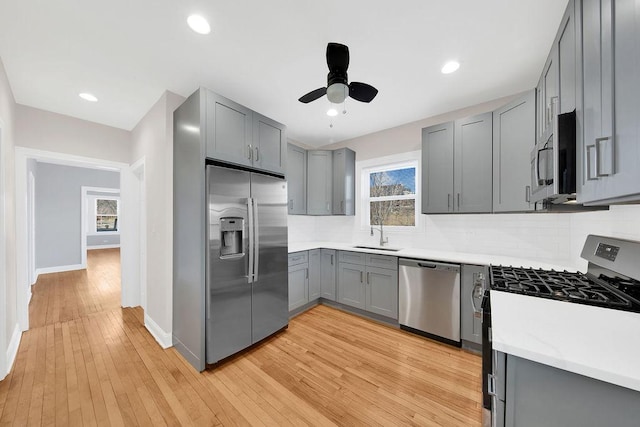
{"points": [[338, 87]]}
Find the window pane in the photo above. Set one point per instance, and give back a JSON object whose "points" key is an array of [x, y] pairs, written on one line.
{"points": [[393, 212], [392, 183], [106, 223], [106, 207]]}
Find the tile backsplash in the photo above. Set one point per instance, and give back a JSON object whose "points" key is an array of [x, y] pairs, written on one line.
{"points": [[548, 237]]}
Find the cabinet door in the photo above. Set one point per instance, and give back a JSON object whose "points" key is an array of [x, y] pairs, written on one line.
{"points": [[437, 168], [550, 89], [229, 133], [566, 45], [597, 66], [314, 274], [269, 144], [473, 164], [513, 139], [296, 180], [351, 286], [472, 279], [319, 183], [328, 270], [298, 286], [382, 292], [344, 182]]}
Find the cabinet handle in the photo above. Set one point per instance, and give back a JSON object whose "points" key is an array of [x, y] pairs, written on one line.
{"points": [[527, 194], [458, 200], [332, 259], [250, 152], [257, 157], [328, 207], [368, 283], [306, 273], [598, 162], [361, 278], [448, 201]]}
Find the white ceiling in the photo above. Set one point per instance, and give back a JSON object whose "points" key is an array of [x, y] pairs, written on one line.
{"points": [[266, 54]]}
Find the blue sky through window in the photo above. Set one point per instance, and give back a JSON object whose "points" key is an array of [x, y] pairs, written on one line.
{"points": [[405, 177]]}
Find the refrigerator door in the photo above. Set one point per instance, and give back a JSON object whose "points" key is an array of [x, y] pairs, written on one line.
{"points": [[228, 289], [270, 287]]}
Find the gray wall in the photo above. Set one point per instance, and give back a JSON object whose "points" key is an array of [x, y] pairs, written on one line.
{"points": [[58, 211]]}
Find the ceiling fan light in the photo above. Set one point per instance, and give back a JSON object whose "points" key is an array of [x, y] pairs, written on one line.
{"points": [[337, 93]]}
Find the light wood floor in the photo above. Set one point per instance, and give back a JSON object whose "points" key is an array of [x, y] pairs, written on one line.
{"points": [[90, 363]]}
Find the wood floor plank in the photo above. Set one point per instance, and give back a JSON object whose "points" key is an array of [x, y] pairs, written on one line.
{"points": [[86, 361]]}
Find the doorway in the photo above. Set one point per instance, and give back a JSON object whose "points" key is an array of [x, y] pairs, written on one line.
{"points": [[129, 259]]}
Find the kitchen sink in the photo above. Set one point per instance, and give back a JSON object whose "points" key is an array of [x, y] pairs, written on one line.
{"points": [[378, 248]]}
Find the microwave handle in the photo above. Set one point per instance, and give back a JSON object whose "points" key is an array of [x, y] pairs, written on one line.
{"points": [[540, 182]]}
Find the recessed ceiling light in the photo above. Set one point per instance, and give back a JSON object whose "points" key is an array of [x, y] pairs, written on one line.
{"points": [[332, 112], [450, 67], [88, 97], [199, 24]]}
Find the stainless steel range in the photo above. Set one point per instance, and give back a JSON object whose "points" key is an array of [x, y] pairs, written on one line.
{"points": [[612, 283]]}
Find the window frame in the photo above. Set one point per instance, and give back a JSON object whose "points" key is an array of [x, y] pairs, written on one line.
{"points": [[95, 230], [387, 164]]}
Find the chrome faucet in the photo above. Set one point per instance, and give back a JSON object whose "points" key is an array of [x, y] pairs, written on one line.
{"points": [[383, 240]]}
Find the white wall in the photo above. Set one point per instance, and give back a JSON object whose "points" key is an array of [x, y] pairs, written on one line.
{"points": [[47, 131], [549, 237], [152, 139], [8, 313], [58, 213]]}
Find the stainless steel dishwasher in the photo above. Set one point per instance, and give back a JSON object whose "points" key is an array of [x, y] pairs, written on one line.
{"points": [[429, 299]]}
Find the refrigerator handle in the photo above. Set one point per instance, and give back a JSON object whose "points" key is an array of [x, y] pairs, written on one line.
{"points": [[256, 239], [251, 238]]}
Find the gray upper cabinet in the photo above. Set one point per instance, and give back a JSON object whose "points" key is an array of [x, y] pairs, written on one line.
{"points": [[344, 182], [229, 130], [611, 102], [566, 43], [457, 166], [296, 180], [437, 165], [320, 186], [235, 134], [513, 139], [473, 164], [314, 274], [328, 271], [269, 144]]}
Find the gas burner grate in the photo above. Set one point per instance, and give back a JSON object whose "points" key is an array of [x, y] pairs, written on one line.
{"points": [[557, 285]]}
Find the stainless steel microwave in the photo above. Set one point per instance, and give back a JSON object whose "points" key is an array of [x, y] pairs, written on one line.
{"points": [[553, 162]]}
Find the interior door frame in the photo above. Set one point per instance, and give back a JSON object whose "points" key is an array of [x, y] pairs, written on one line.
{"points": [[130, 288], [4, 369]]}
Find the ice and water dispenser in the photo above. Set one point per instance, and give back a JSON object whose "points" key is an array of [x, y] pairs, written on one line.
{"points": [[231, 229]]}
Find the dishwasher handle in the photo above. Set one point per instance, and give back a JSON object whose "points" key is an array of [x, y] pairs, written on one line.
{"points": [[428, 265]]}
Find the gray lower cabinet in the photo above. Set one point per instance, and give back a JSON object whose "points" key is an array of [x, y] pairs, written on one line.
{"points": [[344, 182], [328, 272], [513, 139], [298, 285], [472, 279], [351, 287], [457, 166], [371, 284], [540, 395], [611, 102], [241, 136], [314, 274], [296, 180], [320, 184]]}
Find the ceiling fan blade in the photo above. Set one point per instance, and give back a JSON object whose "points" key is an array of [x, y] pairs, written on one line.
{"points": [[313, 95], [337, 57], [362, 92]]}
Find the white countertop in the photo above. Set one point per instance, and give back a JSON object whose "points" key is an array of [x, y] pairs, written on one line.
{"points": [[433, 255], [592, 341]]}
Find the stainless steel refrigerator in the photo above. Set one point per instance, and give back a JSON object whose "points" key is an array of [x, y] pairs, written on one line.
{"points": [[246, 293]]}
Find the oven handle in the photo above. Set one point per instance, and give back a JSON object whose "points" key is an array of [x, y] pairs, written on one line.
{"points": [[477, 292]]}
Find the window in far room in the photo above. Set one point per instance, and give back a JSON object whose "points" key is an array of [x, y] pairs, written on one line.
{"points": [[391, 195], [107, 211]]}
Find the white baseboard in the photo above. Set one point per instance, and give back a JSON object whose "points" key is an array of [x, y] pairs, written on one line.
{"points": [[59, 269], [12, 350], [89, 248], [163, 338]]}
